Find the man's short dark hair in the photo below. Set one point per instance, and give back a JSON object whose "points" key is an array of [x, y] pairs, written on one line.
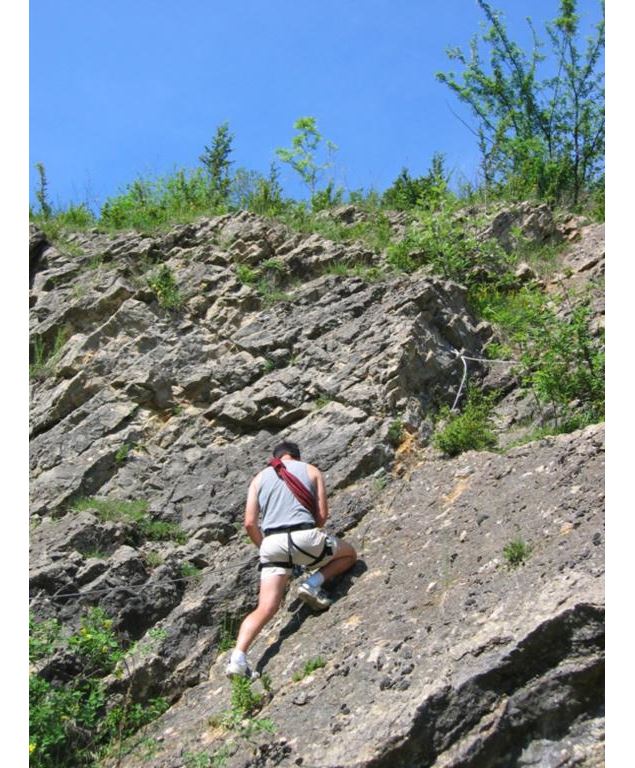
{"points": [[287, 447]]}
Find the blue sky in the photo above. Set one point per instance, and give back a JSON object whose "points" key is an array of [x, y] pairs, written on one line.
{"points": [[123, 89]]}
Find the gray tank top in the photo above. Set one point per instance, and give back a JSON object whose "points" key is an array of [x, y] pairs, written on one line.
{"points": [[278, 506]]}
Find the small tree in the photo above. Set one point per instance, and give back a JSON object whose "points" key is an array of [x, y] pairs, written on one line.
{"points": [[216, 161], [540, 136], [302, 156], [426, 191], [42, 191]]}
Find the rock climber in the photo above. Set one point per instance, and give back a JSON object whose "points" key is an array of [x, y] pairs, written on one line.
{"points": [[288, 534]]}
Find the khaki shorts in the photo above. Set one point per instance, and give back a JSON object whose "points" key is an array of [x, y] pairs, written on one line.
{"points": [[275, 548]]}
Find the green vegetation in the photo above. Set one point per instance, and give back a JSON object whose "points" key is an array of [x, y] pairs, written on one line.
{"points": [[310, 155], [516, 552], [440, 239], [469, 430], [123, 452], [216, 162], [245, 704], [396, 433], [228, 632], [560, 359], [165, 287], [538, 137], [189, 571], [310, 667], [216, 759], [135, 513], [45, 358], [153, 559], [41, 193], [73, 724]]}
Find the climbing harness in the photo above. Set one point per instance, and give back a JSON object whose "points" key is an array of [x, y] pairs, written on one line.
{"points": [[291, 545]]}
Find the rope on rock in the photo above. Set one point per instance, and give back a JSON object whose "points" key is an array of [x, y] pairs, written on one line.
{"points": [[464, 358], [134, 590]]}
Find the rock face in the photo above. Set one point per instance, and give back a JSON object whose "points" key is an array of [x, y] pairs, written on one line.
{"points": [[437, 651]]}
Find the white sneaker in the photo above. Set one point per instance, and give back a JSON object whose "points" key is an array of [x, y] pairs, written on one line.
{"points": [[314, 597], [236, 669]]}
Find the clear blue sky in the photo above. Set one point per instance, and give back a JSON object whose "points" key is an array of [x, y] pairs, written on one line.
{"points": [[122, 89]]}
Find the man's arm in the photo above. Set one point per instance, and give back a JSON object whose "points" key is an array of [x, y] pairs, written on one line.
{"points": [[252, 512], [322, 513]]}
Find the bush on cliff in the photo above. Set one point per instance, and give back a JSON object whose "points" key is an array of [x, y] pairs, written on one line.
{"points": [[72, 723]]}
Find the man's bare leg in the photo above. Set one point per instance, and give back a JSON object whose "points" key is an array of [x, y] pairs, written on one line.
{"points": [[271, 593], [344, 558]]}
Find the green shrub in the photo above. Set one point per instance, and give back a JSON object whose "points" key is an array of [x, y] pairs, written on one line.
{"points": [[244, 700], [153, 559], [134, 513], [228, 632], [424, 192], [165, 287], [396, 432], [516, 552], [310, 667], [246, 274], [72, 725], [189, 571], [122, 453], [441, 240], [466, 431], [45, 358], [44, 638], [151, 204], [559, 358]]}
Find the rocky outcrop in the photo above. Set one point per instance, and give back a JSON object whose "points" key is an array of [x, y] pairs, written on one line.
{"points": [[437, 652]]}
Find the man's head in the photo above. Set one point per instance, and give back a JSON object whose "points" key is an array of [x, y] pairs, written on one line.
{"points": [[287, 448]]}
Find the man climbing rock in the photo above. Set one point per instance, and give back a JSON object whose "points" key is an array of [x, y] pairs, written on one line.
{"points": [[289, 498]]}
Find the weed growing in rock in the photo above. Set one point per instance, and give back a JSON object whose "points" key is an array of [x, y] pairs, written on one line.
{"points": [[153, 559], [216, 759], [246, 274], [269, 365], [516, 552], [189, 571], [310, 667], [96, 554], [135, 513], [245, 703], [395, 433], [44, 359], [165, 287], [274, 265], [469, 430], [228, 632], [122, 453]]}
